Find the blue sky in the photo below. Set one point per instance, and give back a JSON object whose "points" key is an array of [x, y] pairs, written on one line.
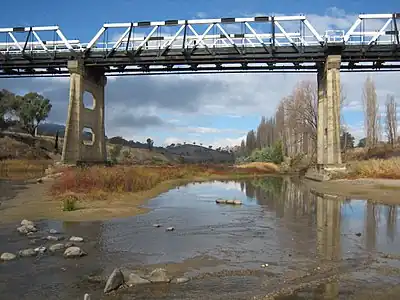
{"points": [[211, 109]]}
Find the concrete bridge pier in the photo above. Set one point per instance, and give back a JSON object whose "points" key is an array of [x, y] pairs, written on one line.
{"points": [[80, 118], [329, 158]]}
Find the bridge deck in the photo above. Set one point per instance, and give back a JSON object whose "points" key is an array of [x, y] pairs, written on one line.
{"points": [[263, 44]]}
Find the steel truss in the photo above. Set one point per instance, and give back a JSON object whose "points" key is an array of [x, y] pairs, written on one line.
{"points": [[186, 45]]}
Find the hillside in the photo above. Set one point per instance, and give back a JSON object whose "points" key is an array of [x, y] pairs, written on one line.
{"points": [[17, 145]]}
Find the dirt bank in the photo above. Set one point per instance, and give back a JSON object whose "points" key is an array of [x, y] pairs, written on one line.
{"points": [[386, 191]]}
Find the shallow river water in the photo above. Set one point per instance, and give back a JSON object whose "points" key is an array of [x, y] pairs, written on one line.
{"points": [[282, 239]]}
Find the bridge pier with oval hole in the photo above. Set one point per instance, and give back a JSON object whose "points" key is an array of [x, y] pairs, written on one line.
{"points": [[84, 140], [329, 157]]}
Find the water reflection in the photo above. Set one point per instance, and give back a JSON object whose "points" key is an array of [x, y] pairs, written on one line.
{"points": [[336, 221]]}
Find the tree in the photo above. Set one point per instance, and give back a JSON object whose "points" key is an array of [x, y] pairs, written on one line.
{"points": [[56, 143], [346, 141], [150, 143], [371, 118], [7, 108], [33, 108], [362, 143], [391, 119], [250, 142]]}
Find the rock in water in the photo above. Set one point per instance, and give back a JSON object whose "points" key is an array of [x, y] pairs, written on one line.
{"points": [[135, 279], [25, 229], [27, 223], [180, 280], [53, 231], [170, 229], [7, 256], [73, 252], [159, 275], [41, 250], [27, 252], [76, 239], [115, 280], [56, 247]]}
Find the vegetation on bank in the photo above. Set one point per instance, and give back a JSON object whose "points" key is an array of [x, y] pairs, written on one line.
{"points": [[15, 169], [100, 182]]}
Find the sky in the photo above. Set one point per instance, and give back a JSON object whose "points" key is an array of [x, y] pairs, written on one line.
{"points": [[213, 109]]}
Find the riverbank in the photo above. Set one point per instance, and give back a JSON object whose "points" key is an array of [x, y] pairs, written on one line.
{"points": [[384, 191], [103, 193]]}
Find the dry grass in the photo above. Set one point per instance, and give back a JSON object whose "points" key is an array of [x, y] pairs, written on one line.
{"points": [[16, 169], [260, 166], [99, 182], [375, 168]]}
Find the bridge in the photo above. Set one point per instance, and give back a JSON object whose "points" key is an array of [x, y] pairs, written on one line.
{"points": [[230, 45]]}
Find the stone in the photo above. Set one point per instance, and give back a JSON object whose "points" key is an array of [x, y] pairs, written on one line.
{"points": [[7, 256], [86, 297], [157, 225], [135, 279], [76, 239], [170, 229], [230, 201], [73, 252], [27, 252], [27, 223], [159, 275], [115, 280], [53, 238], [220, 201], [69, 244], [53, 231], [41, 249], [56, 247], [25, 229], [237, 202], [180, 280]]}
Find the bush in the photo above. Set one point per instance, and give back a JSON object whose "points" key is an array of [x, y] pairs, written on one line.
{"points": [[115, 152], [273, 154], [69, 202]]}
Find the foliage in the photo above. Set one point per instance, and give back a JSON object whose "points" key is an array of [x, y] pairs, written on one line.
{"points": [[22, 169], [33, 108], [115, 152], [346, 140], [362, 143], [273, 154], [69, 202], [150, 143]]}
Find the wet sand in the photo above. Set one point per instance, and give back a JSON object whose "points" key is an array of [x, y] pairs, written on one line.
{"points": [[311, 245]]}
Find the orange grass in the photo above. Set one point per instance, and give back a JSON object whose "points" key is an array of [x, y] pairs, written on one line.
{"points": [[16, 169], [100, 180], [375, 168]]}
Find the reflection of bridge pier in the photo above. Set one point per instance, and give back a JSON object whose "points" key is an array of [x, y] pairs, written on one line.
{"points": [[328, 239]]}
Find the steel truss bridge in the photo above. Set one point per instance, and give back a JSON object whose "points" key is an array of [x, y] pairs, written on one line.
{"points": [[255, 44]]}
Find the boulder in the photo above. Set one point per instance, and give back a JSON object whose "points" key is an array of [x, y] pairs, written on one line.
{"points": [[76, 239], [27, 223], [115, 280], [159, 275], [73, 252], [56, 247], [27, 252], [41, 249], [7, 256], [135, 279]]}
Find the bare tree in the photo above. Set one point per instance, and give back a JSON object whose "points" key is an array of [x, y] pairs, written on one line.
{"points": [[371, 119], [391, 119]]}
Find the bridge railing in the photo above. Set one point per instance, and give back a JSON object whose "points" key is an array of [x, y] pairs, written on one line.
{"points": [[237, 33]]}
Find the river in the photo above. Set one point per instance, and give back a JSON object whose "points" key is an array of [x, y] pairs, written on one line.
{"points": [[283, 238]]}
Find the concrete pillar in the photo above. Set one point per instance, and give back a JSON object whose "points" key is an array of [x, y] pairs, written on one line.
{"points": [[328, 128], [93, 81]]}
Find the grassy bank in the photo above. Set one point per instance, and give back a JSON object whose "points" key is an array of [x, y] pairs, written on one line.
{"points": [[374, 168], [16, 169]]}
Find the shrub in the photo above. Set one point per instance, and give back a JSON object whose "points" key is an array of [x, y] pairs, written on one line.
{"points": [[69, 202]]}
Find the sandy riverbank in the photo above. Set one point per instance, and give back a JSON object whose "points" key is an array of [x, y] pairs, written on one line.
{"points": [[385, 191]]}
